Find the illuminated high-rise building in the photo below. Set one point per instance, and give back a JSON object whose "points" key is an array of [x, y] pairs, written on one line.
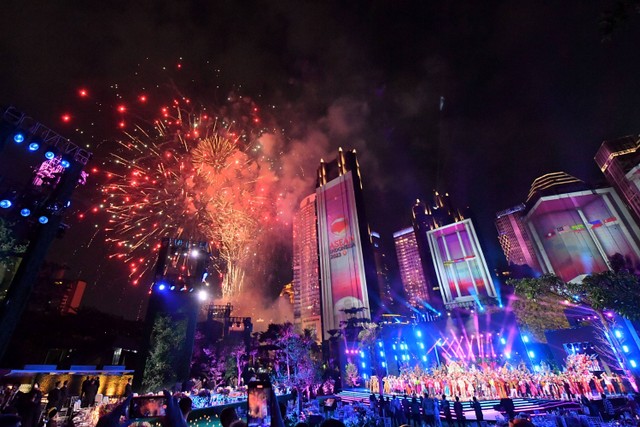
{"points": [[619, 161], [514, 237], [410, 264], [348, 280], [306, 281], [577, 230], [453, 264], [382, 272], [463, 274], [424, 220]]}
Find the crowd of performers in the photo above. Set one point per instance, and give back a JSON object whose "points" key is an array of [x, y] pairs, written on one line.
{"points": [[488, 382]]}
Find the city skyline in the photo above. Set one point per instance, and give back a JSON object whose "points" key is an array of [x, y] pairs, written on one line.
{"points": [[469, 99]]}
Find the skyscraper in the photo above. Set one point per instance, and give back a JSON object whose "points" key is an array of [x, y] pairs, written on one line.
{"points": [[410, 264], [514, 237], [348, 282], [619, 161], [382, 272], [424, 220], [306, 281], [576, 230]]}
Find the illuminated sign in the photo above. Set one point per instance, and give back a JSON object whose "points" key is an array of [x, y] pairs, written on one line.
{"points": [[341, 262]]}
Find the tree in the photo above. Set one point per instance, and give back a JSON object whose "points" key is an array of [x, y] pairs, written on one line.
{"points": [[352, 376], [619, 292], [600, 291], [307, 363], [238, 354], [166, 337], [368, 337], [290, 346], [10, 251]]}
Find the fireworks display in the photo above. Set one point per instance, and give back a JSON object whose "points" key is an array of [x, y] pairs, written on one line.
{"points": [[196, 173]]}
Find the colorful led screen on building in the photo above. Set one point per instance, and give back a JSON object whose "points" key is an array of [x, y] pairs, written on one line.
{"points": [[342, 273], [577, 233], [460, 264]]}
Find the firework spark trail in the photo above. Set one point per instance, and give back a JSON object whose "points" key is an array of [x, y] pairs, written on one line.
{"points": [[192, 177]]}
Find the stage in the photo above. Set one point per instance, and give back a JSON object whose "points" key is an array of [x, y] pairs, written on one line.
{"points": [[528, 405]]}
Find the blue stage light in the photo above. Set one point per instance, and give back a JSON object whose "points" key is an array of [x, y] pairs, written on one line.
{"points": [[532, 354], [382, 354], [65, 164], [525, 339], [364, 365], [507, 355], [362, 354], [503, 341], [395, 357], [418, 333], [34, 146], [421, 345], [18, 138], [25, 212], [618, 334], [49, 155], [625, 348], [43, 219], [424, 358], [379, 343], [393, 346], [633, 363], [5, 204], [384, 364], [161, 286]]}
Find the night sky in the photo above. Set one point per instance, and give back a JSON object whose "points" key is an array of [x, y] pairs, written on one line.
{"points": [[529, 88]]}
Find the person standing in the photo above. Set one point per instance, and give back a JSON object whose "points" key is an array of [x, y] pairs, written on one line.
{"points": [[608, 412], [415, 412], [128, 390], [508, 407], [64, 395], [96, 387], [457, 408], [429, 410], [84, 392], [35, 403], [477, 408], [446, 408], [53, 397]]}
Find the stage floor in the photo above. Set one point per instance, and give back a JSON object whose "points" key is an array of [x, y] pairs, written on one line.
{"points": [[528, 405]]}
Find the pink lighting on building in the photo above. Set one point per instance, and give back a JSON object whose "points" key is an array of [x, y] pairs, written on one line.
{"points": [[460, 264]]}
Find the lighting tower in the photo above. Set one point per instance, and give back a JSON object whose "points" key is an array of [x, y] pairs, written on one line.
{"points": [[37, 209], [179, 288]]}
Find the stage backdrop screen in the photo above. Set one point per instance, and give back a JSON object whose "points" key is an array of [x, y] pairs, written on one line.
{"points": [[342, 275]]}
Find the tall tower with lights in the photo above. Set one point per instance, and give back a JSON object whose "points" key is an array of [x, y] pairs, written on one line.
{"points": [[348, 280], [619, 161], [515, 239], [411, 272], [306, 280]]}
